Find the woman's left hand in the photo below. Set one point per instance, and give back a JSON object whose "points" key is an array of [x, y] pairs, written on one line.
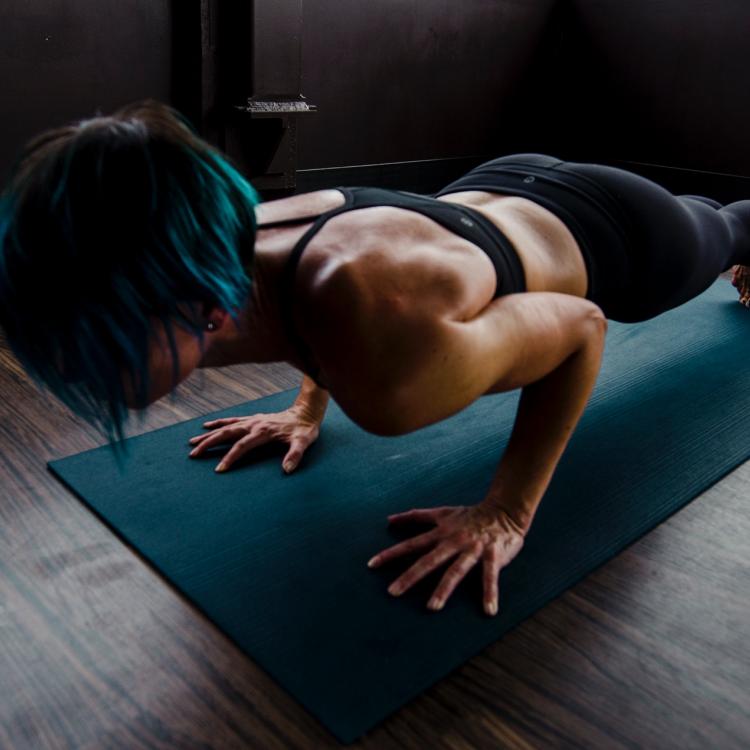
{"points": [[472, 532]]}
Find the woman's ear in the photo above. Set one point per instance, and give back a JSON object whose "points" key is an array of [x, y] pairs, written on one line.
{"points": [[213, 314], [203, 313]]}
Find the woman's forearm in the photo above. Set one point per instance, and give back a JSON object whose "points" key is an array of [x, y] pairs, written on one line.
{"points": [[548, 412], [312, 399]]}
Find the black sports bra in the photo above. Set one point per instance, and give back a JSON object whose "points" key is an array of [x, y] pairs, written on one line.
{"points": [[462, 220]]}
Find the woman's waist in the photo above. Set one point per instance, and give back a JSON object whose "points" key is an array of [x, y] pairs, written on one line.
{"points": [[547, 249], [568, 195], [590, 213]]}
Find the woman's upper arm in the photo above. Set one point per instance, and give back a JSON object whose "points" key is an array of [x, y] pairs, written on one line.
{"points": [[516, 340], [395, 366]]}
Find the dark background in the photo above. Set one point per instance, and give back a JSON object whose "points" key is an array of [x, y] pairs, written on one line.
{"points": [[409, 93]]}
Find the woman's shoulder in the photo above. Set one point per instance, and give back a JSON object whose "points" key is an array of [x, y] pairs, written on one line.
{"points": [[295, 206]]}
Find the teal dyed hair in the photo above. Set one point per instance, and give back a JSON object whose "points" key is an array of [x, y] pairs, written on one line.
{"points": [[105, 224]]}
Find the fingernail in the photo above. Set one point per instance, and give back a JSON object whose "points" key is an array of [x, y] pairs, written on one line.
{"points": [[435, 603], [221, 467], [193, 452], [394, 589], [492, 608], [372, 562]]}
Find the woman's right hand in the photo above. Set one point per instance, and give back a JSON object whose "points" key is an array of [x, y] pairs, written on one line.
{"points": [[294, 426]]}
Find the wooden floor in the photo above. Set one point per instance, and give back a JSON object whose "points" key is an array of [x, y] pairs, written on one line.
{"points": [[97, 651]]}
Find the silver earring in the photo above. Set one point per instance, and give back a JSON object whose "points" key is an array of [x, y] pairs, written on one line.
{"points": [[211, 326]]}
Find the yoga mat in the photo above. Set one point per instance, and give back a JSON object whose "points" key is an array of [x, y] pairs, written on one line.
{"points": [[279, 562]]}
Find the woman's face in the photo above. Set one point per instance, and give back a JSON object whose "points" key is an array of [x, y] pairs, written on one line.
{"points": [[160, 359]]}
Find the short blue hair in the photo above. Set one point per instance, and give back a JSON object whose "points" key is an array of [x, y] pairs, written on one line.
{"points": [[105, 223]]}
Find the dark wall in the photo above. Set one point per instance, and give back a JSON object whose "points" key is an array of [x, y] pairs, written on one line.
{"points": [[62, 60], [402, 80], [644, 81], [656, 81], [655, 86]]}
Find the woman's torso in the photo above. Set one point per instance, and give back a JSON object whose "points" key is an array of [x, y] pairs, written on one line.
{"points": [[549, 254]]}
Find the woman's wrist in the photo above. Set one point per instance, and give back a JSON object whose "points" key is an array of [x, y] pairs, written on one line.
{"points": [[312, 400], [519, 514]]}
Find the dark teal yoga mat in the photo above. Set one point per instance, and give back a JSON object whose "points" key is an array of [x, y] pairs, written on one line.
{"points": [[279, 562]]}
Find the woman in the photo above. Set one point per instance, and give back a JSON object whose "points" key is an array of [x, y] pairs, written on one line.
{"points": [[404, 308]]}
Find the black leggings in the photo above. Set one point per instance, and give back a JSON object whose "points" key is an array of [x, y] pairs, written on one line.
{"points": [[646, 250]]}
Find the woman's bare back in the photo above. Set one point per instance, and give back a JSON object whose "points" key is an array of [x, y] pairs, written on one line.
{"points": [[463, 277]]}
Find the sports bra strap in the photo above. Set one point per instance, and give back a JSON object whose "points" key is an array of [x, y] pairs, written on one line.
{"points": [[287, 276], [348, 199], [287, 222]]}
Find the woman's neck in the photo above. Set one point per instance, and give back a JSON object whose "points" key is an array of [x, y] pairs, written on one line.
{"points": [[258, 335]]}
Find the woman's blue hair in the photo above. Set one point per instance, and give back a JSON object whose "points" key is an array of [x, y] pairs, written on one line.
{"points": [[105, 224]]}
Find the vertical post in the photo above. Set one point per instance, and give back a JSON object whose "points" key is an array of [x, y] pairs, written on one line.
{"points": [[262, 132], [237, 74]]}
